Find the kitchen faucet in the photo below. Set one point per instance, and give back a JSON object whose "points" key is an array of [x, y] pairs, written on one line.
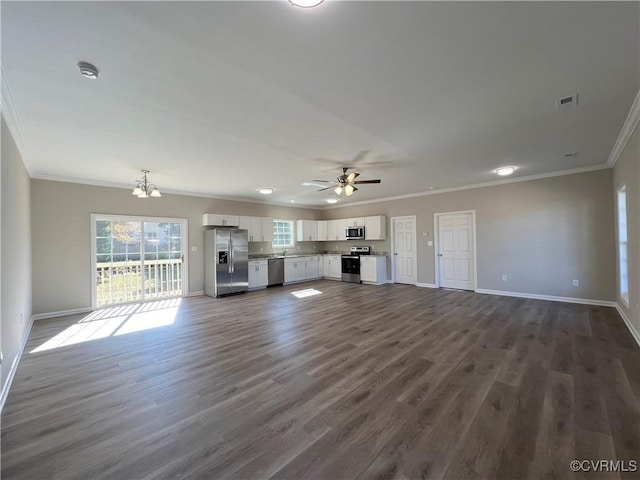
{"points": [[284, 254]]}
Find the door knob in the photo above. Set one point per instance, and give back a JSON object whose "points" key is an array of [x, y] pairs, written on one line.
{"points": [[395, 254]]}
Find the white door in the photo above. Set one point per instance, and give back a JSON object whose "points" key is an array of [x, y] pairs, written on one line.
{"points": [[404, 250], [456, 250]]}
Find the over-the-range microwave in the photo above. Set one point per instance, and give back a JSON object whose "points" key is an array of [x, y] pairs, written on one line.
{"points": [[354, 233]]}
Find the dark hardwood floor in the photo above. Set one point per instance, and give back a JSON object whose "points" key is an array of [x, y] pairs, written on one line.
{"points": [[359, 381]]}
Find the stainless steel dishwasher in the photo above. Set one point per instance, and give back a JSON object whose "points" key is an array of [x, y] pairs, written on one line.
{"points": [[276, 271]]}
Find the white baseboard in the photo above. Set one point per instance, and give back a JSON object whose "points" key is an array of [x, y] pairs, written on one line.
{"points": [[195, 294], [634, 333], [552, 298], [426, 285], [61, 313], [14, 366]]}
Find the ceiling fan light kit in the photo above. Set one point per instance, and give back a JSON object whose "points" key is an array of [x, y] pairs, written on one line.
{"points": [[144, 189], [345, 183]]}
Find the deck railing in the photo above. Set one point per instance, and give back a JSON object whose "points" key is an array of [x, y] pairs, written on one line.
{"points": [[121, 282]]}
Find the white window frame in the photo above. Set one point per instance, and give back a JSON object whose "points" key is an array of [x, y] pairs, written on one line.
{"points": [[134, 218], [293, 233], [622, 219]]}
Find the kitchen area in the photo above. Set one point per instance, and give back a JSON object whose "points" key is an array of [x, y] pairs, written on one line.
{"points": [[244, 265]]}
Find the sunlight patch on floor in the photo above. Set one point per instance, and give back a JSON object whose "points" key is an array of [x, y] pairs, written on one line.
{"points": [[114, 321], [309, 292]]}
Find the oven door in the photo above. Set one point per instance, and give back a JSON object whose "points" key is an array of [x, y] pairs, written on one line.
{"points": [[351, 268]]}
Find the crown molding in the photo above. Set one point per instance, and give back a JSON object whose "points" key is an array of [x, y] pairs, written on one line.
{"points": [[559, 173], [98, 183], [11, 117], [626, 132]]}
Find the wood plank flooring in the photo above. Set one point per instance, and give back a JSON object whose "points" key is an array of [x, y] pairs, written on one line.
{"points": [[358, 381]]}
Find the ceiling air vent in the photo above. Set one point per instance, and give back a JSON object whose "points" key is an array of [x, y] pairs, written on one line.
{"points": [[565, 102], [570, 155]]}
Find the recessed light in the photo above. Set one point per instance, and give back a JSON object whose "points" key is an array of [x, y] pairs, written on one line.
{"points": [[87, 70], [332, 200], [265, 190], [292, 201], [432, 188], [305, 3], [505, 171]]}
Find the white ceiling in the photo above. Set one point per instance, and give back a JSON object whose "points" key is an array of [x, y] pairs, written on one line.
{"points": [[220, 98]]}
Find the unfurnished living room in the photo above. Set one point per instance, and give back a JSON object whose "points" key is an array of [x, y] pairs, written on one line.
{"points": [[328, 240]]}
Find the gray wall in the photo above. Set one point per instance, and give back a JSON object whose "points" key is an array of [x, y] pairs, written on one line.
{"points": [[15, 251], [627, 171], [61, 222], [541, 233]]}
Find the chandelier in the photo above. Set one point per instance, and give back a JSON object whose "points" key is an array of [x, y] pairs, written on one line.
{"points": [[144, 189]]}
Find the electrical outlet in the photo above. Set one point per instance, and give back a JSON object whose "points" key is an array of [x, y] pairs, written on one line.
{"points": [[429, 243], [21, 319], [261, 249], [194, 248], [504, 277], [576, 283]]}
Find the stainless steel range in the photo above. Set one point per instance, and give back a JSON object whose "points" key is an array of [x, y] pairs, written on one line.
{"points": [[351, 264]]}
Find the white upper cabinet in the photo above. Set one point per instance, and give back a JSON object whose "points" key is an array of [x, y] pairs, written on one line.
{"points": [[355, 222], [307, 230], [245, 224], [341, 229], [260, 229], [219, 220], [267, 229], [375, 228], [322, 230], [336, 229]]}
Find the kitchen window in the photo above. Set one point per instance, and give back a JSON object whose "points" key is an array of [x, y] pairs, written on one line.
{"points": [[282, 234], [623, 270]]}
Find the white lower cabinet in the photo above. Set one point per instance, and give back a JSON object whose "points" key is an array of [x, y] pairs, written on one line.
{"points": [[373, 269], [332, 266], [312, 270], [258, 273], [299, 269]]}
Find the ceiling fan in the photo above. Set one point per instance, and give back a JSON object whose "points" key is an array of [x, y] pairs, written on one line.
{"points": [[346, 183]]}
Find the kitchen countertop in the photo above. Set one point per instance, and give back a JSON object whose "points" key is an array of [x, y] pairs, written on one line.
{"points": [[262, 256]]}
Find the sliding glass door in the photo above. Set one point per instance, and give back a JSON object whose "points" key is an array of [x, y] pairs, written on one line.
{"points": [[137, 259]]}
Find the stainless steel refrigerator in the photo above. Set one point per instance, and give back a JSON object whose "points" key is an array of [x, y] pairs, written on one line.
{"points": [[226, 262]]}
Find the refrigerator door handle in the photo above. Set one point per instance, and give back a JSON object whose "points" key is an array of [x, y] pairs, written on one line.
{"points": [[232, 259]]}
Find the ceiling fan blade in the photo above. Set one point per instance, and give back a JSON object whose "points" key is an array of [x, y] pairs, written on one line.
{"points": [[352, 176], [324, 181], [360, 156], [367, 181], [325, 188]]}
